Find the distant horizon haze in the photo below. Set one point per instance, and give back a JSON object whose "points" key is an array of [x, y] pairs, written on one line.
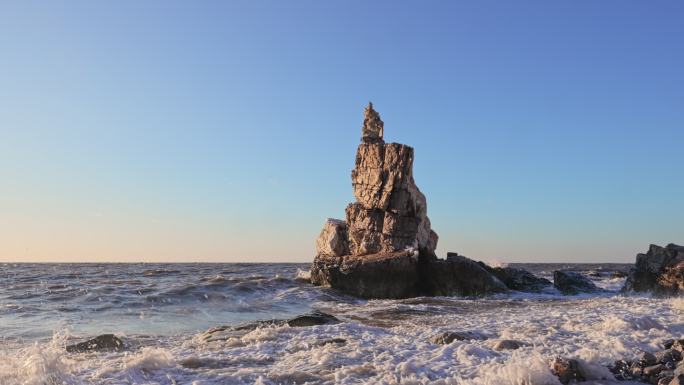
{"points": [[167, 131]]}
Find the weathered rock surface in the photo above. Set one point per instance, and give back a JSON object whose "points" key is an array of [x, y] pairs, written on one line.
{"points": [[660, 270], [572, 283], [334, 239], [385, 248], [104, 342]]}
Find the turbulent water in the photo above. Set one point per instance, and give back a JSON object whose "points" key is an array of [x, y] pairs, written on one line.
{"points": [[161, 310]]}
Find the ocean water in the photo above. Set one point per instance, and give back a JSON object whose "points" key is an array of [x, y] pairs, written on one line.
{"points": [[161, 311]]}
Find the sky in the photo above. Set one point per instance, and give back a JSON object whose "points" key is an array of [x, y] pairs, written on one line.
{"points": [[167, 131]]}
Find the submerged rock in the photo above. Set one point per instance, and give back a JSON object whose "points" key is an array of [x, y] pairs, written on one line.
{"points": [[385, 247], [222, 333], [508, 345], [104, 342], [660, 270], [449, 337], [572, 283]]}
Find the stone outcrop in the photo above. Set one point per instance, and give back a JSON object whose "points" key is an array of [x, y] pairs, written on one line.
{"points": [[385, 247], [101, 343], [572, 283], [660, 270]]}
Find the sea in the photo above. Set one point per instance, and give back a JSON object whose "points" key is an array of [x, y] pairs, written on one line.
{"points": [[161, 312]]}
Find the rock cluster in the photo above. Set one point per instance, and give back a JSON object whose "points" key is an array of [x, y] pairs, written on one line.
{"points": [[662, 368], [385, 247], [660, 270]]}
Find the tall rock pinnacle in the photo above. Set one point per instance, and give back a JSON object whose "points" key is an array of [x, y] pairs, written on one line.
{"points": [[385, 247]]}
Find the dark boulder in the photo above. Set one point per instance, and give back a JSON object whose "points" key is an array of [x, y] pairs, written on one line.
{"points": [[660, 270], [572, 283], [458, 275], [222, 333], [104, 342], [404, 275], [566, 370], [393, 275], [518, 279]]}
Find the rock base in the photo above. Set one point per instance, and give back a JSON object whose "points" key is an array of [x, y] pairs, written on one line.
{"points": [[403, 275]]}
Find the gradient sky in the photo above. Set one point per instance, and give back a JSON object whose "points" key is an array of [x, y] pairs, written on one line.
{"points": [[226, 131]]}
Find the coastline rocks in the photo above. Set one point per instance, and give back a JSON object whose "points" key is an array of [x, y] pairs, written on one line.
{"points": [[104, 342], [518, 279], [385, 247], [661, 368], [572, 283], [660, 270]]}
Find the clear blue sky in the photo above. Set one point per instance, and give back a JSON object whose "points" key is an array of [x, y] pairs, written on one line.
{"points": [[226, 131]]}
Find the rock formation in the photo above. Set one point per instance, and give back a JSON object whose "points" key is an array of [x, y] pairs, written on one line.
{"points": [[660, 270], [572, 283], [385, 248]]}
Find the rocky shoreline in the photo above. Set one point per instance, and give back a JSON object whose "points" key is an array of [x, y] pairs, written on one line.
{"points": [[385, 247]]}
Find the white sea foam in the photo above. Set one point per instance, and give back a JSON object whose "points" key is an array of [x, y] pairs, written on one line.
{"points": [[386, 341]]}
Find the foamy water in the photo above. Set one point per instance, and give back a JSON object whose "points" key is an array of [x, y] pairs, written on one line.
{"points": [[386, 341]]}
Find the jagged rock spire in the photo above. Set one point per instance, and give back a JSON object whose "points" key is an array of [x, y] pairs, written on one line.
{"points": [[373, 126]]}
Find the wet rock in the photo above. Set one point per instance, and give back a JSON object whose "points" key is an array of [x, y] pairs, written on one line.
{"points": [[566, 370], [223, 333], [518, 279], [621, 369], [652, 370], [572, 283], [677, 379], [678, 345], [104, 342], [660, 270], [449, 337], [647, 359], [312, 319], [393, 275], [508, 345], [664, 378], [668, 355], [334, 341]]}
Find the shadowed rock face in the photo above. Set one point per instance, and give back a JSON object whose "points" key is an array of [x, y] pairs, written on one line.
{"points": [[571, 283], [660, 270], [385, 247]]}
